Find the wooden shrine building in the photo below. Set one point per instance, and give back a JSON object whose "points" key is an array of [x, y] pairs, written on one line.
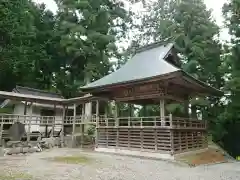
{"points": [[152, 77]]}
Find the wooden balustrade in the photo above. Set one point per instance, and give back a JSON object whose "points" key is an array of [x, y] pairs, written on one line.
{"points": [[185, 123], [171, 134], [45, 120], [128, 122], [153, 121]]}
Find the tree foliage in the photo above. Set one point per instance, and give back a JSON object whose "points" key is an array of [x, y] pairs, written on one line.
{"points": [[62, 51], [189, 24], [230, 119]]}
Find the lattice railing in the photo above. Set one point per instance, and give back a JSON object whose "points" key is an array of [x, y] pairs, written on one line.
{"points": [[153, 121], [102, 121], [45, 120]]}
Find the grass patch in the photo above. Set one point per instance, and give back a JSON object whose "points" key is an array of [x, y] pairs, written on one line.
{"points": [[15, 176], [72, 159]]}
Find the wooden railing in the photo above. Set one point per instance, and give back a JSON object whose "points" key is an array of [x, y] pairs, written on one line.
{"points": [[154, 121], [45, 120], [169, 134], [103, 121], [179, 122]]}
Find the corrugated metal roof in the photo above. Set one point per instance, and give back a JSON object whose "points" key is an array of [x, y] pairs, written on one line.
{"points": [[43, 99], [30, 98], [35, 92], [144, 64]]}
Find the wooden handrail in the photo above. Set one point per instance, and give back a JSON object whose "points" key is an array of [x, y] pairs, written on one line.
{"points": [[103, 121]]}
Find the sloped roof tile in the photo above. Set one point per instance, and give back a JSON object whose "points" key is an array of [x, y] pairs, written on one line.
{"points": [[144, 64]]}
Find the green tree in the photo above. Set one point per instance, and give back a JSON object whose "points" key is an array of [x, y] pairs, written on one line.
{"points": [[16, 32], [189, 24], [230, 121], [29, 45], [88, 31]]}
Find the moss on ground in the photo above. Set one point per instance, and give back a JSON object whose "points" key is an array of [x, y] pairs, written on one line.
{"points": [[72, 159], [15, 176]]}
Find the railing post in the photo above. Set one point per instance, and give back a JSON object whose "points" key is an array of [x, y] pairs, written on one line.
{"points": [[74, 123], [117, 129], [97, 121], [162, 112], [1, 131], [170, 120], [116, 122], [74, 118], [62, 132], [53, 124], [29, 122], [53, 120], [97, 129]]}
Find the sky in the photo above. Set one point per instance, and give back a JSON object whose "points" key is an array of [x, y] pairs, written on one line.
{"points": [[215, 5]]}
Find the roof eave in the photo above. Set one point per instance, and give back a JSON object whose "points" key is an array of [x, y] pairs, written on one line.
{"points": [[126, 83], [207, 88]]}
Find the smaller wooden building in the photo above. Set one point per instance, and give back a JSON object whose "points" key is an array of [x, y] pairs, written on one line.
{"points": [[66, 124], [152, 76], [38, 111]]}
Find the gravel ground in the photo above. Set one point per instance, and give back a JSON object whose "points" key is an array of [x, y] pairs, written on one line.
{"points": [[112, 167]]}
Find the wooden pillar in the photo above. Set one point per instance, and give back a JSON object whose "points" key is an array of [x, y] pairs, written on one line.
{"points": [[97, 123], [74, 124], [53, 120], [82, 124], [106, 110], [130, 110], [186, 106], [144, 111], [172, 141], [83, 113], [88, 111], [170, 120], [97, 109], [62, 132], [162, 112], [116, 113], [156, 138], [74, 118], [66, 111], [130, 114], [129, 123], [24, 113], [29, 122]]}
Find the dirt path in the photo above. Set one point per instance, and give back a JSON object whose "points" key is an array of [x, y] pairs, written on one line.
{"points": [[108, 167]]}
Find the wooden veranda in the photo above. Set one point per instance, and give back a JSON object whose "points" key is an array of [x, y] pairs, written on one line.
{"points": [[176, 135]]}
